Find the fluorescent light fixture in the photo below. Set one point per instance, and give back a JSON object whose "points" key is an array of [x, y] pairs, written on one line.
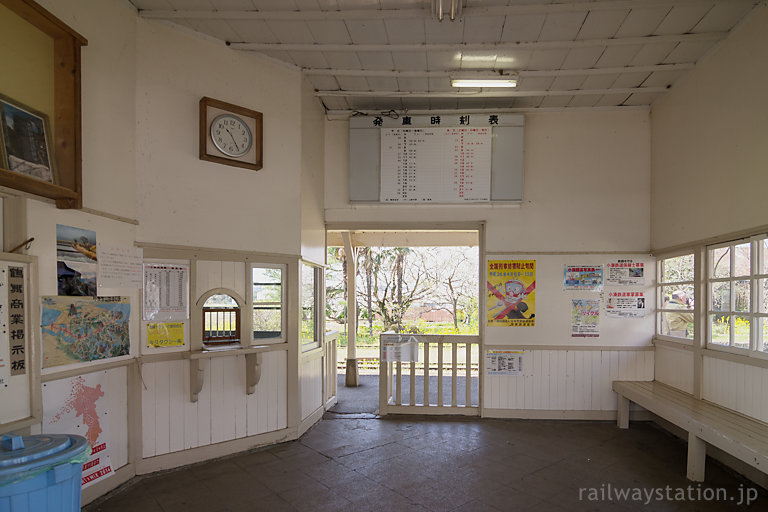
{"points": [[485, 82]]}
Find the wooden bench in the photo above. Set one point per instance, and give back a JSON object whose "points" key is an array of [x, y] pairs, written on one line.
{"points": [[743, 437]]}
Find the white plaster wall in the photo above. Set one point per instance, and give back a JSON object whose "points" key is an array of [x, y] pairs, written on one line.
{"points": [[587, 187], [709, 155], [41, 224], [312, 214], [184, 200], [553, 305], [108, 100]]}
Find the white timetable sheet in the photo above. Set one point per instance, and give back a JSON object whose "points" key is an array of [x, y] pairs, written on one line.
{"points": [[436, 164]]}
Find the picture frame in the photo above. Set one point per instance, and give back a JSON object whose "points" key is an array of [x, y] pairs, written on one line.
{"points": [[26, 145]]}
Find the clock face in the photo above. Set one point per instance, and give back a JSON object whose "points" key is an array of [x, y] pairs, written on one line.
{"points": [[231, 135]]}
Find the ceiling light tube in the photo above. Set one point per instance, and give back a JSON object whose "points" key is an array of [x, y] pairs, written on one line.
{"points": [[484, 82]]}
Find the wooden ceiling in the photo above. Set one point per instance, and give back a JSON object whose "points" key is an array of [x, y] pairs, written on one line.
{"points": [[377, 55]]}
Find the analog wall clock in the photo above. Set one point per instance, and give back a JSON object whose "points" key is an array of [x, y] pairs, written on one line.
{"points": [[230, 134]]}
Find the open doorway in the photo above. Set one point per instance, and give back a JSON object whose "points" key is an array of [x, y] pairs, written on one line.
{"points": [[412, 282]]}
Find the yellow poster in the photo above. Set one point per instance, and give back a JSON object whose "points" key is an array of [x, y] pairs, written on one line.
{"points": [[165, 334], [511, 300]]}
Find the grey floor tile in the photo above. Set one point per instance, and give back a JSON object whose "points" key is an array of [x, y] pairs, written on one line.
{"points": [[436, 465]]}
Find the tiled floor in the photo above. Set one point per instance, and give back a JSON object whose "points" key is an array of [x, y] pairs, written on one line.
{"points": [[410, 464]]}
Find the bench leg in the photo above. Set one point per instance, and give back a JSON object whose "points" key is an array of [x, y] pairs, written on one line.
{"points": [[622, 415], [697, 458]]}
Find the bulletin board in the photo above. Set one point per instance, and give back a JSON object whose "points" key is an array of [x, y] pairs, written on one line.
{"points": [[165, 313], [19, 354], [565, 287]]}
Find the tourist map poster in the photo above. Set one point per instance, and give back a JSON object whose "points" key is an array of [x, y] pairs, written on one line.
{"points": [[78, 406], [511, 297], [79, 329]]}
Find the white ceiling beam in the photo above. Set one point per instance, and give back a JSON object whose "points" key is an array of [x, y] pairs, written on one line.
{"points": [[524, 45], [487, 73], [350, 14], [485, 93]]}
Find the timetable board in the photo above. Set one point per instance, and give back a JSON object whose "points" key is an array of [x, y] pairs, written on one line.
{"points": [[436, 164], [441, 158]]}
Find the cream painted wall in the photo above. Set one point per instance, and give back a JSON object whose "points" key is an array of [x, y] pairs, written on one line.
{"points": [[108, 100], [312, 214], [587, 187], [709, 151], [183, 200]]}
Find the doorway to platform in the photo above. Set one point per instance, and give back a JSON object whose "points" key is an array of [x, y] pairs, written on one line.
{"points": [[421, 285]]}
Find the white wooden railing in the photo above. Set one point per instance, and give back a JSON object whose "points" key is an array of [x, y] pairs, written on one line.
{"points": [[453, 357]]}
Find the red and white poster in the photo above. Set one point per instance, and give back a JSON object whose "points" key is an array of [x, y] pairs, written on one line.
{"points": [[78, 406]]}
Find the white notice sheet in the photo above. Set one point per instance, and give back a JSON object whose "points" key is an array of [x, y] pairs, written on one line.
{"points": [[436, 165]]}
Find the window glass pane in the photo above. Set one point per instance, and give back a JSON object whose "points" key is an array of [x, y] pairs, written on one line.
{"points": [[764, 332], [764, 248], [267, 322], [720, 327], [677, 269], [764, 298], [721, 296], [677, 296], [267, 284], [308, 288], [263, 275], [267, 293], [220, 301], [741, 296], [741, 332], [677, 323], [721, 262], [741, 259]]}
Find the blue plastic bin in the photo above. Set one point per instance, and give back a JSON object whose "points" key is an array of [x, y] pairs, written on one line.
{"points": [[42, 473]]}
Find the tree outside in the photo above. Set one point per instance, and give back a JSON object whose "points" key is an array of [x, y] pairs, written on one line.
{"points": [[420, 290]]}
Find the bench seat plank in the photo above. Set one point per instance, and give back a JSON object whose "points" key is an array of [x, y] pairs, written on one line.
{"points": [[743, 437]]}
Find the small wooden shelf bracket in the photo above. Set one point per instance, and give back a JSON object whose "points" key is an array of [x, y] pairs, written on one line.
{"points": [[252, 372]]}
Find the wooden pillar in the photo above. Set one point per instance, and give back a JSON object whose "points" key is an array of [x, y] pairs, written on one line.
{"points": [[622, 415], [353, 376]]}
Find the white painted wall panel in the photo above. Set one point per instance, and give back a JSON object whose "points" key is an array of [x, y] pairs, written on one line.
{"points": [[311, 386], [577, 380], [736, 386], [148, 410], [674, 367], [266, 409], [223, 412]]}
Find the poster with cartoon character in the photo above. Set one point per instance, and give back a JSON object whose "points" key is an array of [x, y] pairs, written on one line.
{"points": [[511, 300]]}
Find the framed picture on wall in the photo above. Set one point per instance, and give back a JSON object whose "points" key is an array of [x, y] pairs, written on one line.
{"points": [[25, 141]]}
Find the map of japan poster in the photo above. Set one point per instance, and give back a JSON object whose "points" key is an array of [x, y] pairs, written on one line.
{"points": [[79, 329], [78, 405]]}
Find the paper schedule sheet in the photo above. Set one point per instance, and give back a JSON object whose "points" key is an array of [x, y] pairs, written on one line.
{"points": [[437, 165]]}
